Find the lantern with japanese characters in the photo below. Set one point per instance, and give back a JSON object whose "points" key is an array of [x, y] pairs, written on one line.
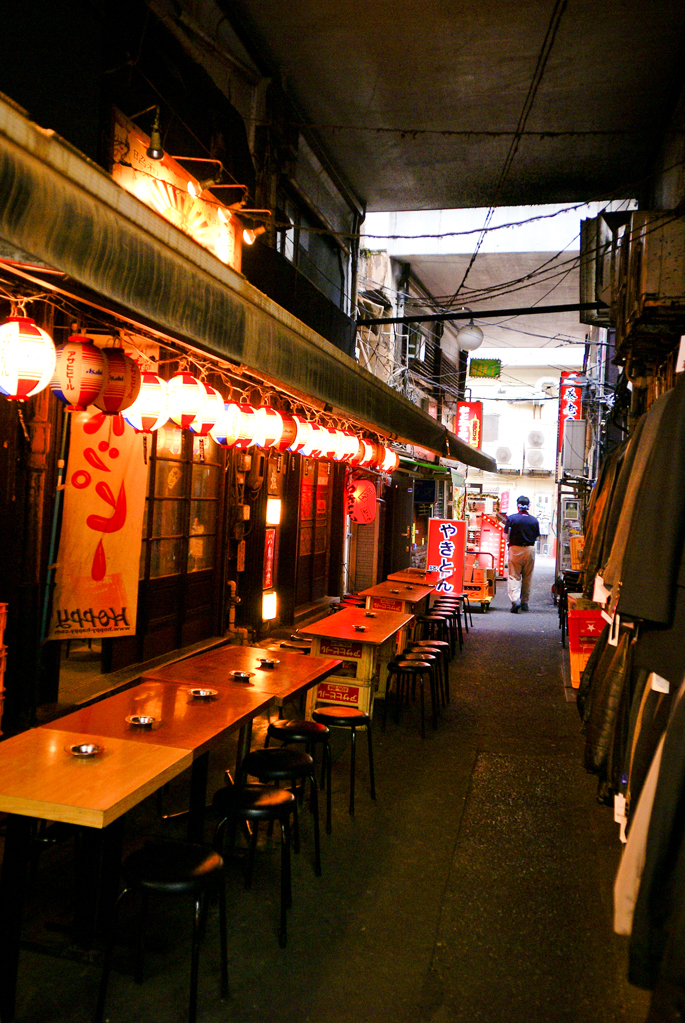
{"points": [[210, 413], [121, 382], [79, 373], [187, 396], [27, 358], [150, 410]]}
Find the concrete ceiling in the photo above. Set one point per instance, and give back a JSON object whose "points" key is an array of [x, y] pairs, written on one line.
{"points": [[478, 102]]}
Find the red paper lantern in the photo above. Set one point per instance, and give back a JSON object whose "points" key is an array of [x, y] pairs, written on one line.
{"points": [[227, 429], [366, 454], [79, 373], [186, 399], [362, 504], [121, 382], [388, 460], [303, 434], [269, 424], [27, 358], [150, 410], [210, 413]]}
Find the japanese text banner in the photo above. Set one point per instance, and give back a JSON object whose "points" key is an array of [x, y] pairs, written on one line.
{"points": [[96, 580], [446, 553]]}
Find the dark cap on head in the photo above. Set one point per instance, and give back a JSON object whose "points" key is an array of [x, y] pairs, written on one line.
{"points": [[523, 502]]}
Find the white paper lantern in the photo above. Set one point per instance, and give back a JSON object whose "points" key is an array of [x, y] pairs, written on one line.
{"points": [[27, 358], [79, 373], [150, 410]]}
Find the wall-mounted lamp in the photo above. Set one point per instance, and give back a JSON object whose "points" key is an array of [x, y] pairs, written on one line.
{"points": [[269, 606], [154, 151], [470, 336], [273, 511]]}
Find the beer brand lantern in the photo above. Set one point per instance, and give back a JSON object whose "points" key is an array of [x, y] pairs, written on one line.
{"points": [[288, 432], [121, 382], [211, 411], [361, 501], [302, 434], [27, 358], [79, 373], [186, 399], [150, 410]]}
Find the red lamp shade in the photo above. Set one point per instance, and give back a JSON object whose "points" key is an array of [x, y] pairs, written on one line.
{"points": [[186, 399], [150, 410], [210, 413], [27, 358], [79, 373], [121, 382], [361, 501], [289, 433]]}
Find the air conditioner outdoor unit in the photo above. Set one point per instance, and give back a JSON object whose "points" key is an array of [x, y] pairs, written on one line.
{"points": [[573, 448], [508, 454], [650, 281], [596, 255], [539, 448]]}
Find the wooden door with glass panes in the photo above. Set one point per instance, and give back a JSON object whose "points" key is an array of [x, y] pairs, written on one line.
{"points": [[314, 531], [178, 567]]}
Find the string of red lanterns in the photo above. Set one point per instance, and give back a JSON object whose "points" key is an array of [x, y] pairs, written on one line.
{"points": [[81, 374]]}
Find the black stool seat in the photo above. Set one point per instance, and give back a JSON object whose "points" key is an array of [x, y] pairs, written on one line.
{"points": [[403, 669], [301, 648], [352, 718], [172, 868], [308, 732]]}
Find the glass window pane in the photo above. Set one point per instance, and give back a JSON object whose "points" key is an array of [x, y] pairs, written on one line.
{"points": [[200, 553], [167, 518], [165, 557], [169, 479], [205, 480], [202, 517]]}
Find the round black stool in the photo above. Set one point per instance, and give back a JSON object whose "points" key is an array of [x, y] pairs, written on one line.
{"points": [[443, 646], [432, 627], [283, 764], [255, 804], [453, 611], [415, 650], [405, 670], [300, 648], [352, 718], [172, 868], [310, 733]]}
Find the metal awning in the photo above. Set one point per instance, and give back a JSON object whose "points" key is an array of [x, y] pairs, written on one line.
{"points": [[66, 212]]}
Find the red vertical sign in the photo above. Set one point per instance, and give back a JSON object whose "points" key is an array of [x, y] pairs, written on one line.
{"points": [[446, 553], [269, 552], [570, 398], [468, 422]]}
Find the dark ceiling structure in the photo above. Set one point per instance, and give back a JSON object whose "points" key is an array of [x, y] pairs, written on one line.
{"points": [[478, 102]]}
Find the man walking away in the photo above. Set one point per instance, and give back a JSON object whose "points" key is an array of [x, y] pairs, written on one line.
{"points": [[523, 530]]}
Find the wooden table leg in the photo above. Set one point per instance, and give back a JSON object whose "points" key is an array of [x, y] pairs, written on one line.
{"points": [[12, 888], [198, 796]]}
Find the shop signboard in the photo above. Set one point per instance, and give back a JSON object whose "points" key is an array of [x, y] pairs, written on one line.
{"points": [[163, 186], [468, 422], [339, 648], [96, 579], [446, 553], [570, 402], [269, 551], [489, 368], [493, 541], [387, 604]]}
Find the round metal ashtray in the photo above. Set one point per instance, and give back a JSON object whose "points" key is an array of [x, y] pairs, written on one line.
{"points": [[268, 662], [360, 628], [242, 676], [84, 749], [204, 694], [140, 720], [394, 591], [369, 614]]}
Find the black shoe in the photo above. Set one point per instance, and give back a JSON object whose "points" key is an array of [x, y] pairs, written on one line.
{"points": [[524, 607], [515, 607]]}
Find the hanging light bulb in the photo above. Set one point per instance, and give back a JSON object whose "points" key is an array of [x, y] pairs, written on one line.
{"points": [[79, 373], [27, 358], [121, 382], [186, 399], [150, 410], [470, 337], [154, 150], [210, 413]]}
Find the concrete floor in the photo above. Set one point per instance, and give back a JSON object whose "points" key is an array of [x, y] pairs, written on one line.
{"points": [[476, 889]]}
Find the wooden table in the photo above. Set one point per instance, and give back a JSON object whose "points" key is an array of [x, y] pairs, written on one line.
{"points": [[415, 575], [365, 655], [38, 778], [392, 595]]}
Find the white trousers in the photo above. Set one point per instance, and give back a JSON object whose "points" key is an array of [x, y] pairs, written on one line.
{"points": [[521, 563]]}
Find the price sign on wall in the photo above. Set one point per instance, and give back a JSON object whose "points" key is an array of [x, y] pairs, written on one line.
{"points": [[446, 553]]}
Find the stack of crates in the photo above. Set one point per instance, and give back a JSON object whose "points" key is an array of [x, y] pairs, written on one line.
{"points": [[585, 624], [3, 659]]}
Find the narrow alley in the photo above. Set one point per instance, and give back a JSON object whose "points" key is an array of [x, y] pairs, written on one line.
{"points": [[476, 888]]}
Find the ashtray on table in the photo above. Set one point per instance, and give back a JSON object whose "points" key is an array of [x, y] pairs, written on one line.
{"points": [[84, 749], [370, 614], [242, 676], [268, 662], [140, 720], [204, 694], [360, 628]]}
